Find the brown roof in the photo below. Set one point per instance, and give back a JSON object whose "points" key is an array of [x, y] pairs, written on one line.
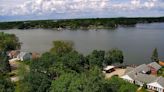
{"points": [[35, 55], [14, 53], [161, 63]]}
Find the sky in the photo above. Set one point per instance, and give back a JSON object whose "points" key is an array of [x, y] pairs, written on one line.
{"points": [[15, 10]]}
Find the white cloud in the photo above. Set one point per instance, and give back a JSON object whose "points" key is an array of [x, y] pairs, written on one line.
{"points": [[41, 7]]}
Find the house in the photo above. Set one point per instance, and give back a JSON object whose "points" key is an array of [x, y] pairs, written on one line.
{"points": [[157, 85], [140, 76], [129, 77], [142, 79], [13, 54], [131, 72], [154, 67], [35, 55], [109, 69], [24, 56]]}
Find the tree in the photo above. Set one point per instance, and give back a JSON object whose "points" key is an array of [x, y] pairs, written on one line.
{"points": [[115, 84], [90, 81], [8, 42], [4, 66], [35, 82], [154, 56], [114, 56], [96, 58], [73, 61], [5, 84], [62, 83], [62, 47]]}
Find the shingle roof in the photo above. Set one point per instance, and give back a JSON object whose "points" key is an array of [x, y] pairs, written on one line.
{"points": [[137, 74], [160, 80], [145, 78], [142, 68], [155, 65], [128, 69], [21, 54]]}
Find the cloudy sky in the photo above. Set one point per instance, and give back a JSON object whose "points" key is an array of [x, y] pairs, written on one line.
{"points": [[63, 9]]}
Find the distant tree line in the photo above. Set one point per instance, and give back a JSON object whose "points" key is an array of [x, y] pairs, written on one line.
{"points": [[93, 23]]}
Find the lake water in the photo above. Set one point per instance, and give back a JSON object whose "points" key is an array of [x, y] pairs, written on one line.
{"points": [[137, 42]]}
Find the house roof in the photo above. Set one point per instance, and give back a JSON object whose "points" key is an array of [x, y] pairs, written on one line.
{"points": [[133, 71], [14, 53], [142, 68], [145, 78], [21, 54], [155, 65], [127, 77], [128, 69], [159, 82], [161, 63], [137, 74]]}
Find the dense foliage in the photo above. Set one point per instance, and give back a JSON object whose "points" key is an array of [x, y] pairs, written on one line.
{"points": [[79, 23], [114, 56], [8, 42], [5, 84], [4, 60]]}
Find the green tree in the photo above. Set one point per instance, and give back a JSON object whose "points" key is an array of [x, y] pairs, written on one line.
{"points": [[62, 47], [73, 61], [118, 85], [96, 58], [4, 66], [8, 42], [90, 81], [114, 56], [62, 83], [35, 82], [154, 56], [5, 84]]}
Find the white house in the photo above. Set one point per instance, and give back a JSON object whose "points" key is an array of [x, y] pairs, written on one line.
{"points": [[157, 85], [140, 76], [128, 78], [24, 56]]}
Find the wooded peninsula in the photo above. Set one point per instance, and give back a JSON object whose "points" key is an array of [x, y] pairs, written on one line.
{"points": [[90, 23]]}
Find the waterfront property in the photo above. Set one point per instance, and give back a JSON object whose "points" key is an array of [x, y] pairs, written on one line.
{"points": [[19, 55], [24, 56], [143, 75], [13, 53], [154, 67]]}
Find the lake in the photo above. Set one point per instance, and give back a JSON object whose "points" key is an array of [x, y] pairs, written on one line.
{"points": [[137, 43]]}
